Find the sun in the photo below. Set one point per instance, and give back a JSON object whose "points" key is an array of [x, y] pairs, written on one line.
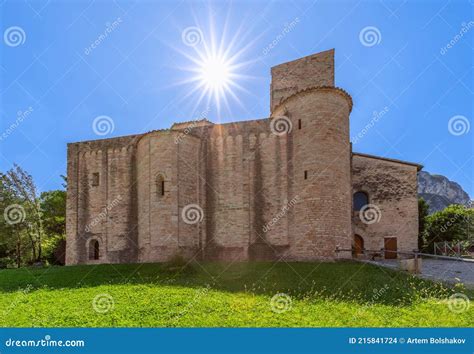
{"points": [[215, 73], [216, 65], [215, 77]]}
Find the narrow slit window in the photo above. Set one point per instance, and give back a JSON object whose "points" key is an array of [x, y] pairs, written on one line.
{"points": [[305, 174], [160, 186], [299, 123], [95, 179]]}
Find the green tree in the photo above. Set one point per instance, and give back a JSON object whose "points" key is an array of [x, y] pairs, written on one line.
{"points": [[13, 240], [21, 185], [454, 223], [53, 208], [32, 226]]}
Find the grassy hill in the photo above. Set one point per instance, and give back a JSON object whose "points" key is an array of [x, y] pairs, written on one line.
{"points": [[213, 294]]}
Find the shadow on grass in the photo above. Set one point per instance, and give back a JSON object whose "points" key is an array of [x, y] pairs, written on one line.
{"points": [[340, 281]]}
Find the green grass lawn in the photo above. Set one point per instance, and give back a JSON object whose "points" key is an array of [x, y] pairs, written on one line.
{"points": [[213, 294]]}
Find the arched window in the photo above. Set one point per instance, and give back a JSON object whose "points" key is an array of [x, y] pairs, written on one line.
{"points": [[360, 199], [94, 251], [160, 186]]}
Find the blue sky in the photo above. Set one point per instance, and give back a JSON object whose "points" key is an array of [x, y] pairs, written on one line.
{"points": [[414, 92]]}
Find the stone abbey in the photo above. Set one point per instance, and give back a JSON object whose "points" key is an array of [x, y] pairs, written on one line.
{"points": [[287, 187]]}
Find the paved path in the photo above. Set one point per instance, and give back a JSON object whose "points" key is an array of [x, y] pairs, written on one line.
{"points": [[440, 270]]}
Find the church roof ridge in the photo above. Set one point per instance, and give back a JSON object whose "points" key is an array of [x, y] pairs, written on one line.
{"points": [[192, 121], [403, 162]]}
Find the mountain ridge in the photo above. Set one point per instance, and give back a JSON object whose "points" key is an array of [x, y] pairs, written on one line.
{"points": [[439, 192]]}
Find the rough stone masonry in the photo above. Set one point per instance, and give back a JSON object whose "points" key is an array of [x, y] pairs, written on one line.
{"points": [[287, 187]]}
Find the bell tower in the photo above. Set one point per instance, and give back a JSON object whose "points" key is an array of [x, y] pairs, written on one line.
{"points": [[297, 75], [303, 94]]}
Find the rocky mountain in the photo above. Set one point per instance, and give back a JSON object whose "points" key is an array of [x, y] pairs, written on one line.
{"points": [[439, 192]]}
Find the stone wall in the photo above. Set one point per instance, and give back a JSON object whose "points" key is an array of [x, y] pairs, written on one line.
{"points": [[319, 172], [190, 196], [101, 201], [246, 187], [157, 214], [392, 188], [297, 75]]}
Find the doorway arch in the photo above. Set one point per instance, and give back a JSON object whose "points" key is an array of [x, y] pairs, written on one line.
{"points": [[94, 250]]}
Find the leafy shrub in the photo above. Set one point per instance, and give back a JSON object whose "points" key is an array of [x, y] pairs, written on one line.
{"points": [[454, 223]]}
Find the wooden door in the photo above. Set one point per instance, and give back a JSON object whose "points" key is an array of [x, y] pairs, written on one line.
{"points": [[358, 245], [390, 244]]}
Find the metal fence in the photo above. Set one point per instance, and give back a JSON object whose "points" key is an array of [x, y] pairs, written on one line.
{"points": [[411, 254], [456, 249]]}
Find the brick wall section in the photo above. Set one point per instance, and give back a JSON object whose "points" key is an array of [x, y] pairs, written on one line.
{"points": [[189, 193], [392, 187], [157, 215], [321, 219], [119, 227], [106, 212], [294, 76], [229, 175], [72, 233]]}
